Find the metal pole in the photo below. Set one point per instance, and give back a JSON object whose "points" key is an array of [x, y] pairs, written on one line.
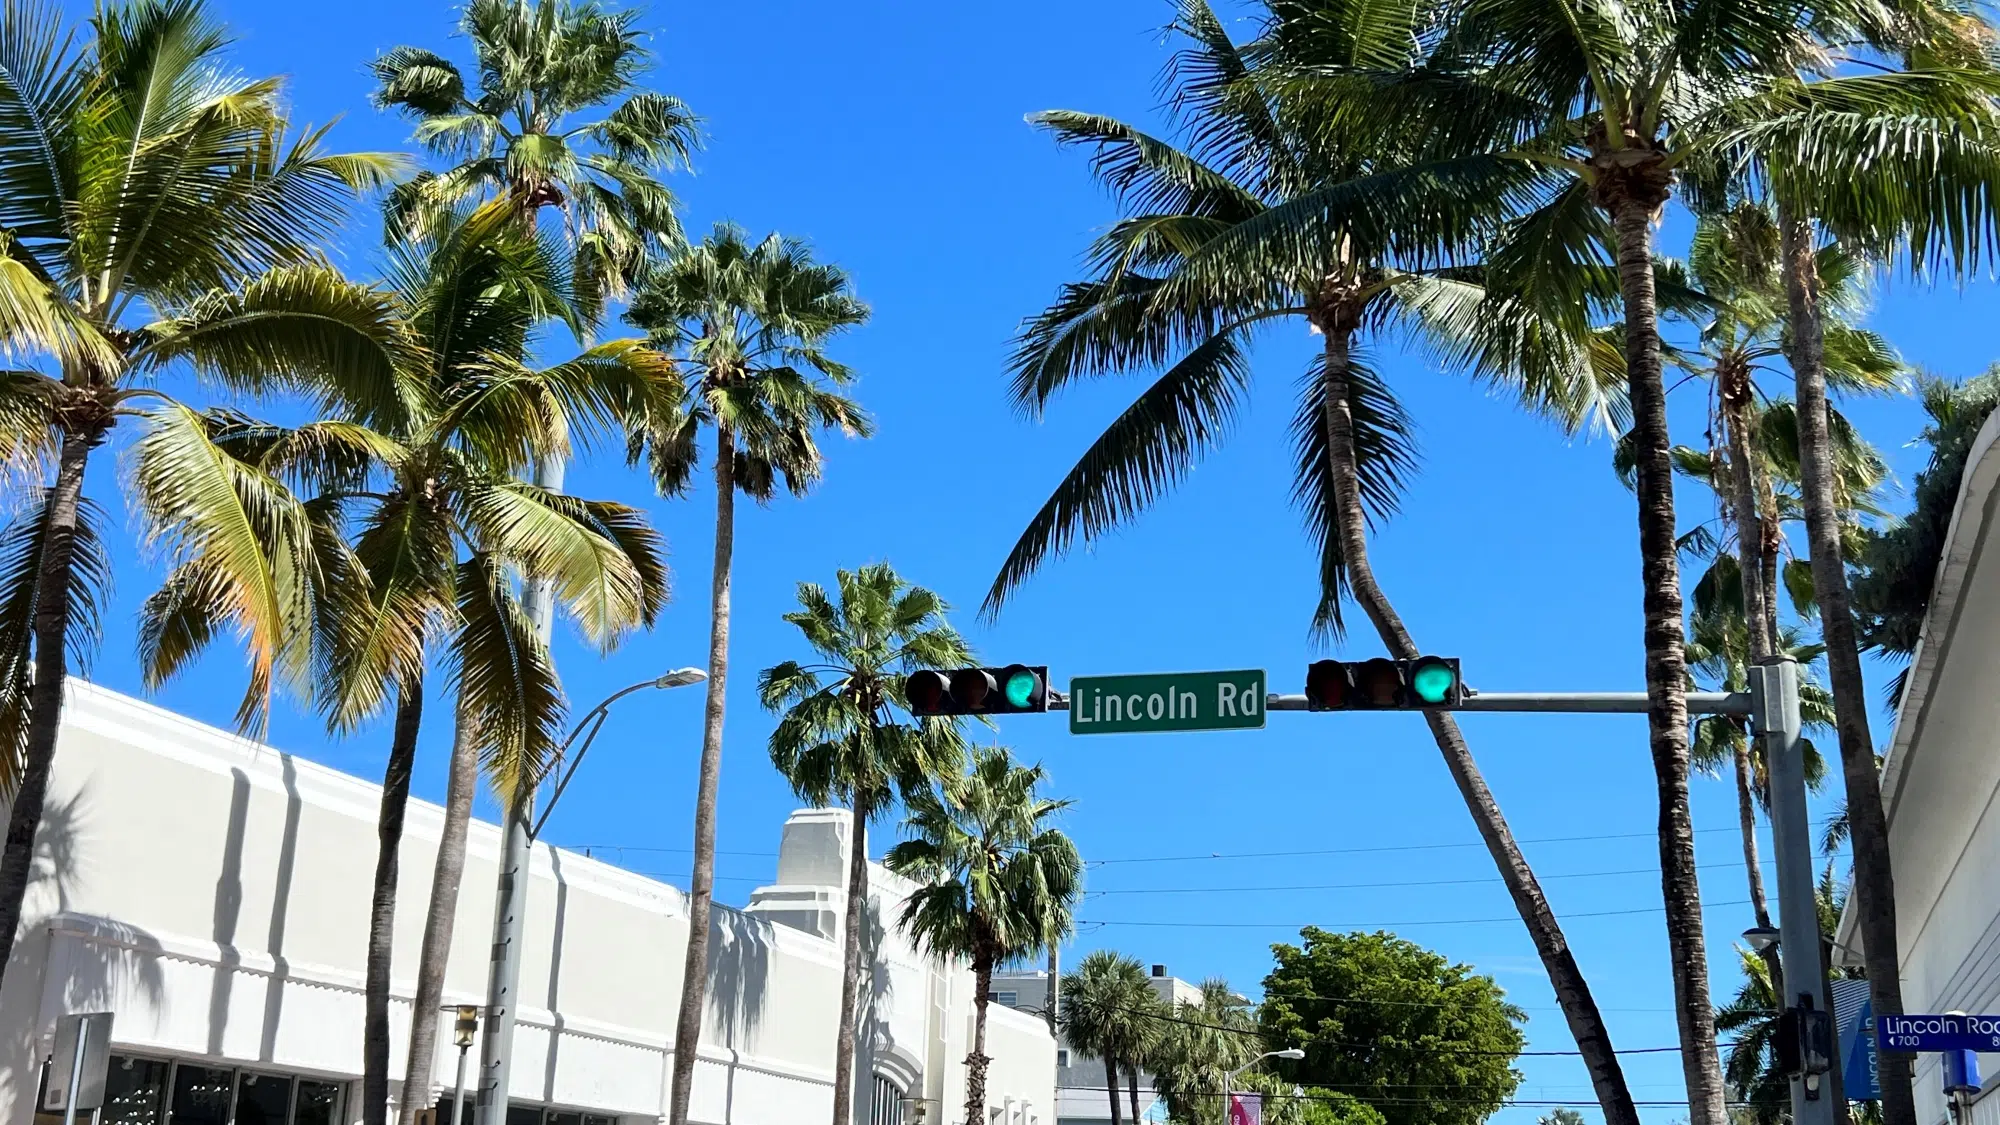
{"points": [[1774, 685], [76, 1070], [1566, 702], [510, 897], [458, 1095]]}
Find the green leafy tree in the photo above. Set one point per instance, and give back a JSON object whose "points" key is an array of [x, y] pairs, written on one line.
{"points": [[1259, 209], [750, 325], [557, 120], [1562, 1115], [845, 737], [158, 212], [1425, 1041], [439, 523], [998, 879], [1109, 1010]]}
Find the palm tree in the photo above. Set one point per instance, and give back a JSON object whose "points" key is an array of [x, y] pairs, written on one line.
{"points": [[537, 134], [840, 739], [1109, 1009], [751, 323], [439, 521], [998, 880], [1230, 231], [1207, 1040], [156, 208]]}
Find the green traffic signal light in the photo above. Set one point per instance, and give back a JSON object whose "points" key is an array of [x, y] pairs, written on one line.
{"points": [[1021, 687], [1433, 681]]}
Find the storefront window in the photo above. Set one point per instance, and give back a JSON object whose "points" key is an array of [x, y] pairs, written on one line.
{"points": [[318, 1103], [518, 1114], [201, 1095], [262, 1099], [134, 1092]]}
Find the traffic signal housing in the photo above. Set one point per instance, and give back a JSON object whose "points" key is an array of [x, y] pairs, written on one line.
{"points": [[1012, 689], [1427, 683]]}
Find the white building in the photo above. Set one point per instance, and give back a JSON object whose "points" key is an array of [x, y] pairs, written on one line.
{"points": [[1941, 788], [213, 894], [1081, 1078]]}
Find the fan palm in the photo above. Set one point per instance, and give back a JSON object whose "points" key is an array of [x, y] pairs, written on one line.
{"points": [[1230, 231], [998, 878], [439, 522], [1109, 1009], [750, 323], [840, 739], [537, 132], [156, 208]]}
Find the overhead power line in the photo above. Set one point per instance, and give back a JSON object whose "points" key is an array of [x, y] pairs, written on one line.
{"points": [[1380, 925], [1372, 849], [1738, 865], [1447, 1050]]}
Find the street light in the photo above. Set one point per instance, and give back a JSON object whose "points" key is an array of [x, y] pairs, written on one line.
{"points": [[463, 1033], [511, 896], [1229, 1080], [1761, 939]]}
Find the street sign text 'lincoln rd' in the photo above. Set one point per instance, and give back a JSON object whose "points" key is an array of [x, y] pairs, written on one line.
{"points": [[1167, 701]]}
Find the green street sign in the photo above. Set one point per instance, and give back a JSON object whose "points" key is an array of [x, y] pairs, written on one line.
{"points": [[1167, 701]]}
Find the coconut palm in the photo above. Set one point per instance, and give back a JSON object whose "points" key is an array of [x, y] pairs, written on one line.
{"points": [[1109, 1009], [439, 522], [557, 121], [844, 737], [998, 878], [1226, 229], [157, 209], [1625, 100], [750, 324]]}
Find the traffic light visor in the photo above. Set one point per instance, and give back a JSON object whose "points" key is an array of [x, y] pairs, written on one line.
{"points": [[926, 691], [1433, 680]]}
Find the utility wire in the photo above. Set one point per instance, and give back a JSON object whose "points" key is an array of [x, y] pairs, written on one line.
{"points": [[1737, 865], [1258, 1032], [1381, 925], [1397, 847]]}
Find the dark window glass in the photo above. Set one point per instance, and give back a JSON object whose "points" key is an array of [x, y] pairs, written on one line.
{"points": [[201, 1096], [134, 1091], [564, 1117], [319, 1103], [263, 1099], [523, 1114], [593, 1119]]}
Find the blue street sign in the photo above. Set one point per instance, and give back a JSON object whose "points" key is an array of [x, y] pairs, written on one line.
{"points": [[1938, 1033], [1857, 1046]]}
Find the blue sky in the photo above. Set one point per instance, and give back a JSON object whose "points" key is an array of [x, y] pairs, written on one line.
{"points": [[891, 136]]}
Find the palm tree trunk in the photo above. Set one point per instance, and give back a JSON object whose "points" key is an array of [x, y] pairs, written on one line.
{"points": [[382, 909], [1586, 1023], [1746, 513], [1052, 1004], [1746, 820], [1666, 664], [850, 972], [975, 1062], [1874, 881], [436, 952], [1132, 1083], [45, 695], [701, 887], [1111, 1085]]}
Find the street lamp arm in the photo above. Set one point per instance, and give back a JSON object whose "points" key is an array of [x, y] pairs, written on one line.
{"points": [[594, 721]]}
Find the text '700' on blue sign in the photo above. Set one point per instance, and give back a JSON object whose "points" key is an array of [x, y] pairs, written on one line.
{"points": [[1938, 1033]]}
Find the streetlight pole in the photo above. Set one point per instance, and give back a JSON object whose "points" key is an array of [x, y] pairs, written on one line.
{"points": [[463, 1033], [510, 898]]}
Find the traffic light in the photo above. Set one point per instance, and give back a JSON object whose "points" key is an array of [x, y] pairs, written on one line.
{"points": [[1426, 683], [1016, 689]]}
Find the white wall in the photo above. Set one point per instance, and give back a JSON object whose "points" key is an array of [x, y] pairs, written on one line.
{"points": [[214, 894]]}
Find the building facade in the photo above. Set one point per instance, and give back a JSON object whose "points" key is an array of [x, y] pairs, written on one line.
{"points": [[1081, 1098], [212, 893], [1941, 790]]}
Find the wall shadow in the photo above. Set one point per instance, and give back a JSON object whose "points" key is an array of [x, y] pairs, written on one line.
{"points": [[739, 972], [281, 905], [228, 910], [554, 998]]}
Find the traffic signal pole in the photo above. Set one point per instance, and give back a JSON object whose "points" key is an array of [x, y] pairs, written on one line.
{"points": [[1772, 708]]}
